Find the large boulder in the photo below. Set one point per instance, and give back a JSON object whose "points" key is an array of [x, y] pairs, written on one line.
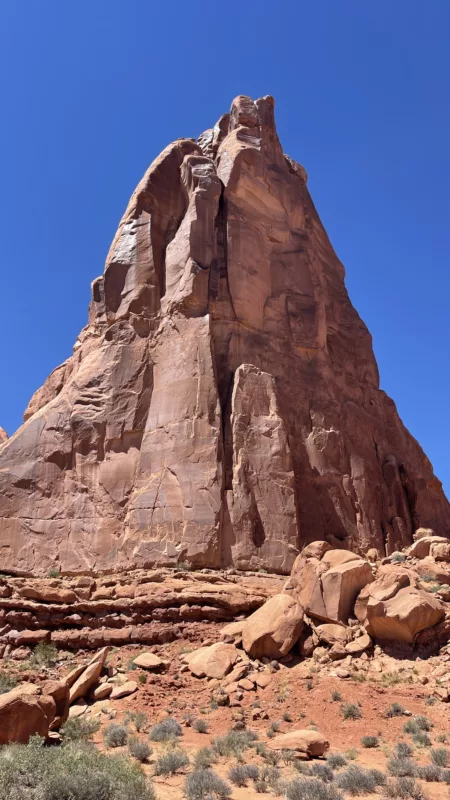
{"points": [[214, 661], [89, 677], [309, 742], [24, 714], [400, 617], [60, 692], [328, 587], [274, 628], [422, 546]]}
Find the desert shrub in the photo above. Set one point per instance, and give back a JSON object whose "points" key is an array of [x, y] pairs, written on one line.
{"points": [[403, 750], [260, 787], [170, 762], [351, 711], [142, 677], [395, 710], [252, 772], [237, 774], [287, 717], [115, 735], [369, 741], [288, 756], [404, 789], [310, 789], [335, 696], [79, 728], [417, 724], [397, 557], [401, 767], [430, 701], [7, 682], [440, 756], [322, 771], [233, 743], [445, 775], [204, 784], [54, 572], [44, 655], [303, 768], [352, 754], [165, 730], [356, 780], [430, 773], [336, 760], [205, 758], [427, 578], [139, 748], [77, 771], [138, 718], [421, 739], [200, 725]]}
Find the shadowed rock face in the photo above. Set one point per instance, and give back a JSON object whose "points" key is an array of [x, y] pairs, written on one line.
{"points": [[222, 405]]}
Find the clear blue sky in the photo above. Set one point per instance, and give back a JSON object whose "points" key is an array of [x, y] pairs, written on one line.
{"points": [[92, 91]]}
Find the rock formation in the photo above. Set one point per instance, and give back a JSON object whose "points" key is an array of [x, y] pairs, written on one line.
{"points": [[222, 405]]}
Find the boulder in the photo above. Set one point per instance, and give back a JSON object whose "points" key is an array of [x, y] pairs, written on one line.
{"points": [[233, 630], [440, 551], [428, 567], [422, 546], [149, 661], [403, 616], [23, 715], [309, 742], [51, 591], [214, 661], [359, 645], [60, 692], [389, 581], [331, 633], [89, 677], [123, 690], [274, 628]]}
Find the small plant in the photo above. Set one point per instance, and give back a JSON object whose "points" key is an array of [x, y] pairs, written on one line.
{"points": [[352, 754], [7, 682], [445, 775], [404, 789], [322, 771], [238, 774], [139, 749], [287, 717], [115, 735], [401, 767], [440, 756], [358, 677], [417, 724], [165, 730], [79, 728], [205, 784], [403, 750], [310, 789], [351, 711], [309, 685], [430, 773], [205, 758], [336, 760], [261, 787], [200, 725], [335, 696], [430, 701], [395, 710], [137, 718], [142, 677], [397, 557], [369, 741], [442, 738], [54, 572], [356, 780], [44, 655], [171, 762], [233, 743], [421, 739], [427, 578]]}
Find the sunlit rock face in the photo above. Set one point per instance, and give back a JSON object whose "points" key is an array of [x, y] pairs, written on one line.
{"points": [[222, 405]]}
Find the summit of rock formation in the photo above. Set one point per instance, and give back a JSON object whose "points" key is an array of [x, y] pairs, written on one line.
{"points": [[222, 406]]}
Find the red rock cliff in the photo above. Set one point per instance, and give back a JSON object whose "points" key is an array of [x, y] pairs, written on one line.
{"points": [[222, 405]]}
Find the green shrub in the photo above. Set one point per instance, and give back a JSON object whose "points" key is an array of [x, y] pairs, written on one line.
{"points": [[115, 735], [233, 743], [200, 725], [139, 748], [335, 696], [369, 741], [403, 750], [171, 762], [79, 728], [287, 717], [77, 771], [44, 655], [138, 719], [54, 572], [355, 780], [430, 773], [310, 789], [7, 682], [237, 774], [404, 789], [401, 767], [440, 756], [417, 724], [445, 775], [165, 730], [397, 557], [351, 711], [204, 784], [322, 771], [421, 739], [261, 787], [336, 760], [205, 758]]}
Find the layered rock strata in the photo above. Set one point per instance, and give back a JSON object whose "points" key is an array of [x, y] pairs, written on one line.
{"points": [[222, 406]]}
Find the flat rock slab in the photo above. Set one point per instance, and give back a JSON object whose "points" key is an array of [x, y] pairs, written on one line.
{"points": [[214, 661], [149, 661], [312, 743], [125, 689]]}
